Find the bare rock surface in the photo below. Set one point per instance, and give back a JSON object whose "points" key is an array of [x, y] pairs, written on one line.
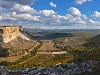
{"points": [[78, 68]]}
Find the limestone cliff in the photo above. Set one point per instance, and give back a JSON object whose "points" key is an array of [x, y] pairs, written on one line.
{"points": [[11, 32], [13, 41]]}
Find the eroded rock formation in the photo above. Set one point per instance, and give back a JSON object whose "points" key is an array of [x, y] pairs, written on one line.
{"points": [[11, 32], [13, 42]]}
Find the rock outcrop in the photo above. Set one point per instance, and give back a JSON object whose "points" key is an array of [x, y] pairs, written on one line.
{"points": [[13, 42], [78, 68], [11, 32]]}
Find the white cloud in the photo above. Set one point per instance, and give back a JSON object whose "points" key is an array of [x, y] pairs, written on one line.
{"points": [[68, 19], [77, 16], [81, 1], [74, 11], [84, 16], [1, 17], [79, 20], [47, 13], [46, 17], [22, 9], [7, 17], [52, 4], [94, 22], [96, 14], [13, 16], [24, 16], [91, 21], [13, 6]]}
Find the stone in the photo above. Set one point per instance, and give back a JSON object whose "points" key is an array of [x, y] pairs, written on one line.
{"points": [[11, 32]]}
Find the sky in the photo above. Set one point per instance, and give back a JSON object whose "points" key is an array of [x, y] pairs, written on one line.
{"points": [[51, 14]]}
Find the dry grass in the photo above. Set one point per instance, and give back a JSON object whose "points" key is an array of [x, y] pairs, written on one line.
{"points": [[18, 44]]}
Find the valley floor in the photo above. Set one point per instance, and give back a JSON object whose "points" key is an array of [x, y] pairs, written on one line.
{"points": [[48, 48]]}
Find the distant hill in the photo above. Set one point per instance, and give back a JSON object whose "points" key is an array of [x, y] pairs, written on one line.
{"points": [[93, 42], [53, 36], [91, 50]]}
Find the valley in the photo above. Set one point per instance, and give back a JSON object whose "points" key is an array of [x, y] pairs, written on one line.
{"points": [[52, 48]]}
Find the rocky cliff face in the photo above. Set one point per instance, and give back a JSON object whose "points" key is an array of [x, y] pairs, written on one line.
{"points": [[11, 36], [14, 42], [18, 46], [10, 33]]}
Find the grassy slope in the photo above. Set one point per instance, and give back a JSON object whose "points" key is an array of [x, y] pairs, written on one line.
{"points": [[91, 51]]}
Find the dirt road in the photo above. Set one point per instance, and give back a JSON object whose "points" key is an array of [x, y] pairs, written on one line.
{"points": [[15, 58]]}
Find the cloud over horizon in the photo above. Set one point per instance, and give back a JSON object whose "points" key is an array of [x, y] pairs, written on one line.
{"points": [[20, 12]]}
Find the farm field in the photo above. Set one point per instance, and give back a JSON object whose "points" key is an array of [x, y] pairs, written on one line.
{"points": [[48, 48]]}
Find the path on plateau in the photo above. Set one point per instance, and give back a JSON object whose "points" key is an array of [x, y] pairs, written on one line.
{"points": [[15, 58], [48, 48], [31, 57]]}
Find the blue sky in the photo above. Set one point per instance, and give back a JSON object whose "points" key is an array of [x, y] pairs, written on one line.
{"points": [[51, 14], [87, 8]]}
